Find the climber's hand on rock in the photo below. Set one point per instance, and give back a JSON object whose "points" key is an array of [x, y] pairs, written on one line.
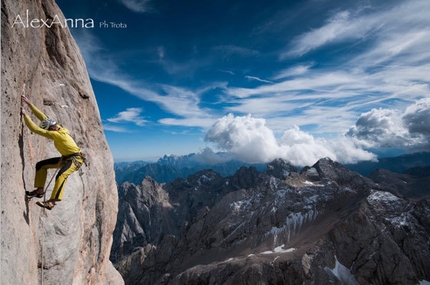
{"points": [[23, 112], [25, 99]]}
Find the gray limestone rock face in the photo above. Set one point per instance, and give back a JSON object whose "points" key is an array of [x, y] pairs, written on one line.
{"points": [[71, 243]]}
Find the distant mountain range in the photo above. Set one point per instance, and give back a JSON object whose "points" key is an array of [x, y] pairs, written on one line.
{"points": [[168, 168]]}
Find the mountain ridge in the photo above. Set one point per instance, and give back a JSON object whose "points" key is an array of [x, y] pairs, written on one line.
{"points": [[279, 226], [168, 168]]}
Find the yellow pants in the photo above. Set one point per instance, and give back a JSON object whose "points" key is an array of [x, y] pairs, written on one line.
{"points": [[67, 167]]}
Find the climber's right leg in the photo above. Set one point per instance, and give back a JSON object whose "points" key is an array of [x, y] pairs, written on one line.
{"points": [[42, 170]]}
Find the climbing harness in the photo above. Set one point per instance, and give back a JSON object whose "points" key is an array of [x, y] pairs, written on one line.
{"points": [[77, 163], [64, 159]]}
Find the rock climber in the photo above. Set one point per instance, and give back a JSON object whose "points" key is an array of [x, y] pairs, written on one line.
{"points": [[71, 160]]}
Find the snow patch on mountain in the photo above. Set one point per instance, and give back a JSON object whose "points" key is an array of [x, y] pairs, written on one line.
{"points": [[293, 224], [377, 196], [341, 273], [279, 249], [242, 205]]}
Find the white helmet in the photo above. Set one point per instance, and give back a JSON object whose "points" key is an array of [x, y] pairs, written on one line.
{"points": [[45, 124]]}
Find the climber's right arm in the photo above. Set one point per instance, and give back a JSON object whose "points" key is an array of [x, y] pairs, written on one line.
{"points": [[39, 114], [33, 127]]}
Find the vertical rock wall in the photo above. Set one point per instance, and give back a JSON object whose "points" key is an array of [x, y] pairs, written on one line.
{"points": [[71, 243]]}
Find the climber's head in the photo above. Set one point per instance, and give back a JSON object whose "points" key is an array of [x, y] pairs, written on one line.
{"points": [[48, 124]]}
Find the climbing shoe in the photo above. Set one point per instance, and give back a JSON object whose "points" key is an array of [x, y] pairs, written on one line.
{"points": [[46, 204], [34, 193]]}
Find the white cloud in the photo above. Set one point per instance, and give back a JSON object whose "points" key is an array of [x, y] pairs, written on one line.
{"points": [[180, 101], [382, 25], [303, 149], [257, 79], [323, 82], [390, 128], [417, 117], [292, 71], [227, 71], [131, 115], [380, 128], [116, 129], [337, 28], [250, 140], [247, 138]]}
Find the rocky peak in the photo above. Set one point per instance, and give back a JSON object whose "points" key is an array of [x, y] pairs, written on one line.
{"points": [[280, 168], [327, 170], [137, 224], [332, 171], [71, 243], [244, 178]]}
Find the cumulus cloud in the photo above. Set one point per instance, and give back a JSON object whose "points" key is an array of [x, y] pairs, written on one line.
{"points": [[380, 128], [129, 115], [392, 128], [302, 148], [249, 139], [417, 117]]}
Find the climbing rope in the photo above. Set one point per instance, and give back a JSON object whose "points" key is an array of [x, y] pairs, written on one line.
{"points": [[21, 142], [46, 188], [41, 252]]}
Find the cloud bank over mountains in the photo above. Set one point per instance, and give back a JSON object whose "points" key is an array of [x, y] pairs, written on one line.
{"points": [[249, 139]]}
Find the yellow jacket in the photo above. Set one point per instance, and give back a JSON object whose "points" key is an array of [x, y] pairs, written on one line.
{"points": [[63, 142]]}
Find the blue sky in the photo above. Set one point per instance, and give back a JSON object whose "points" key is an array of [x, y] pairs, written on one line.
{"points": [[259, 79]]}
